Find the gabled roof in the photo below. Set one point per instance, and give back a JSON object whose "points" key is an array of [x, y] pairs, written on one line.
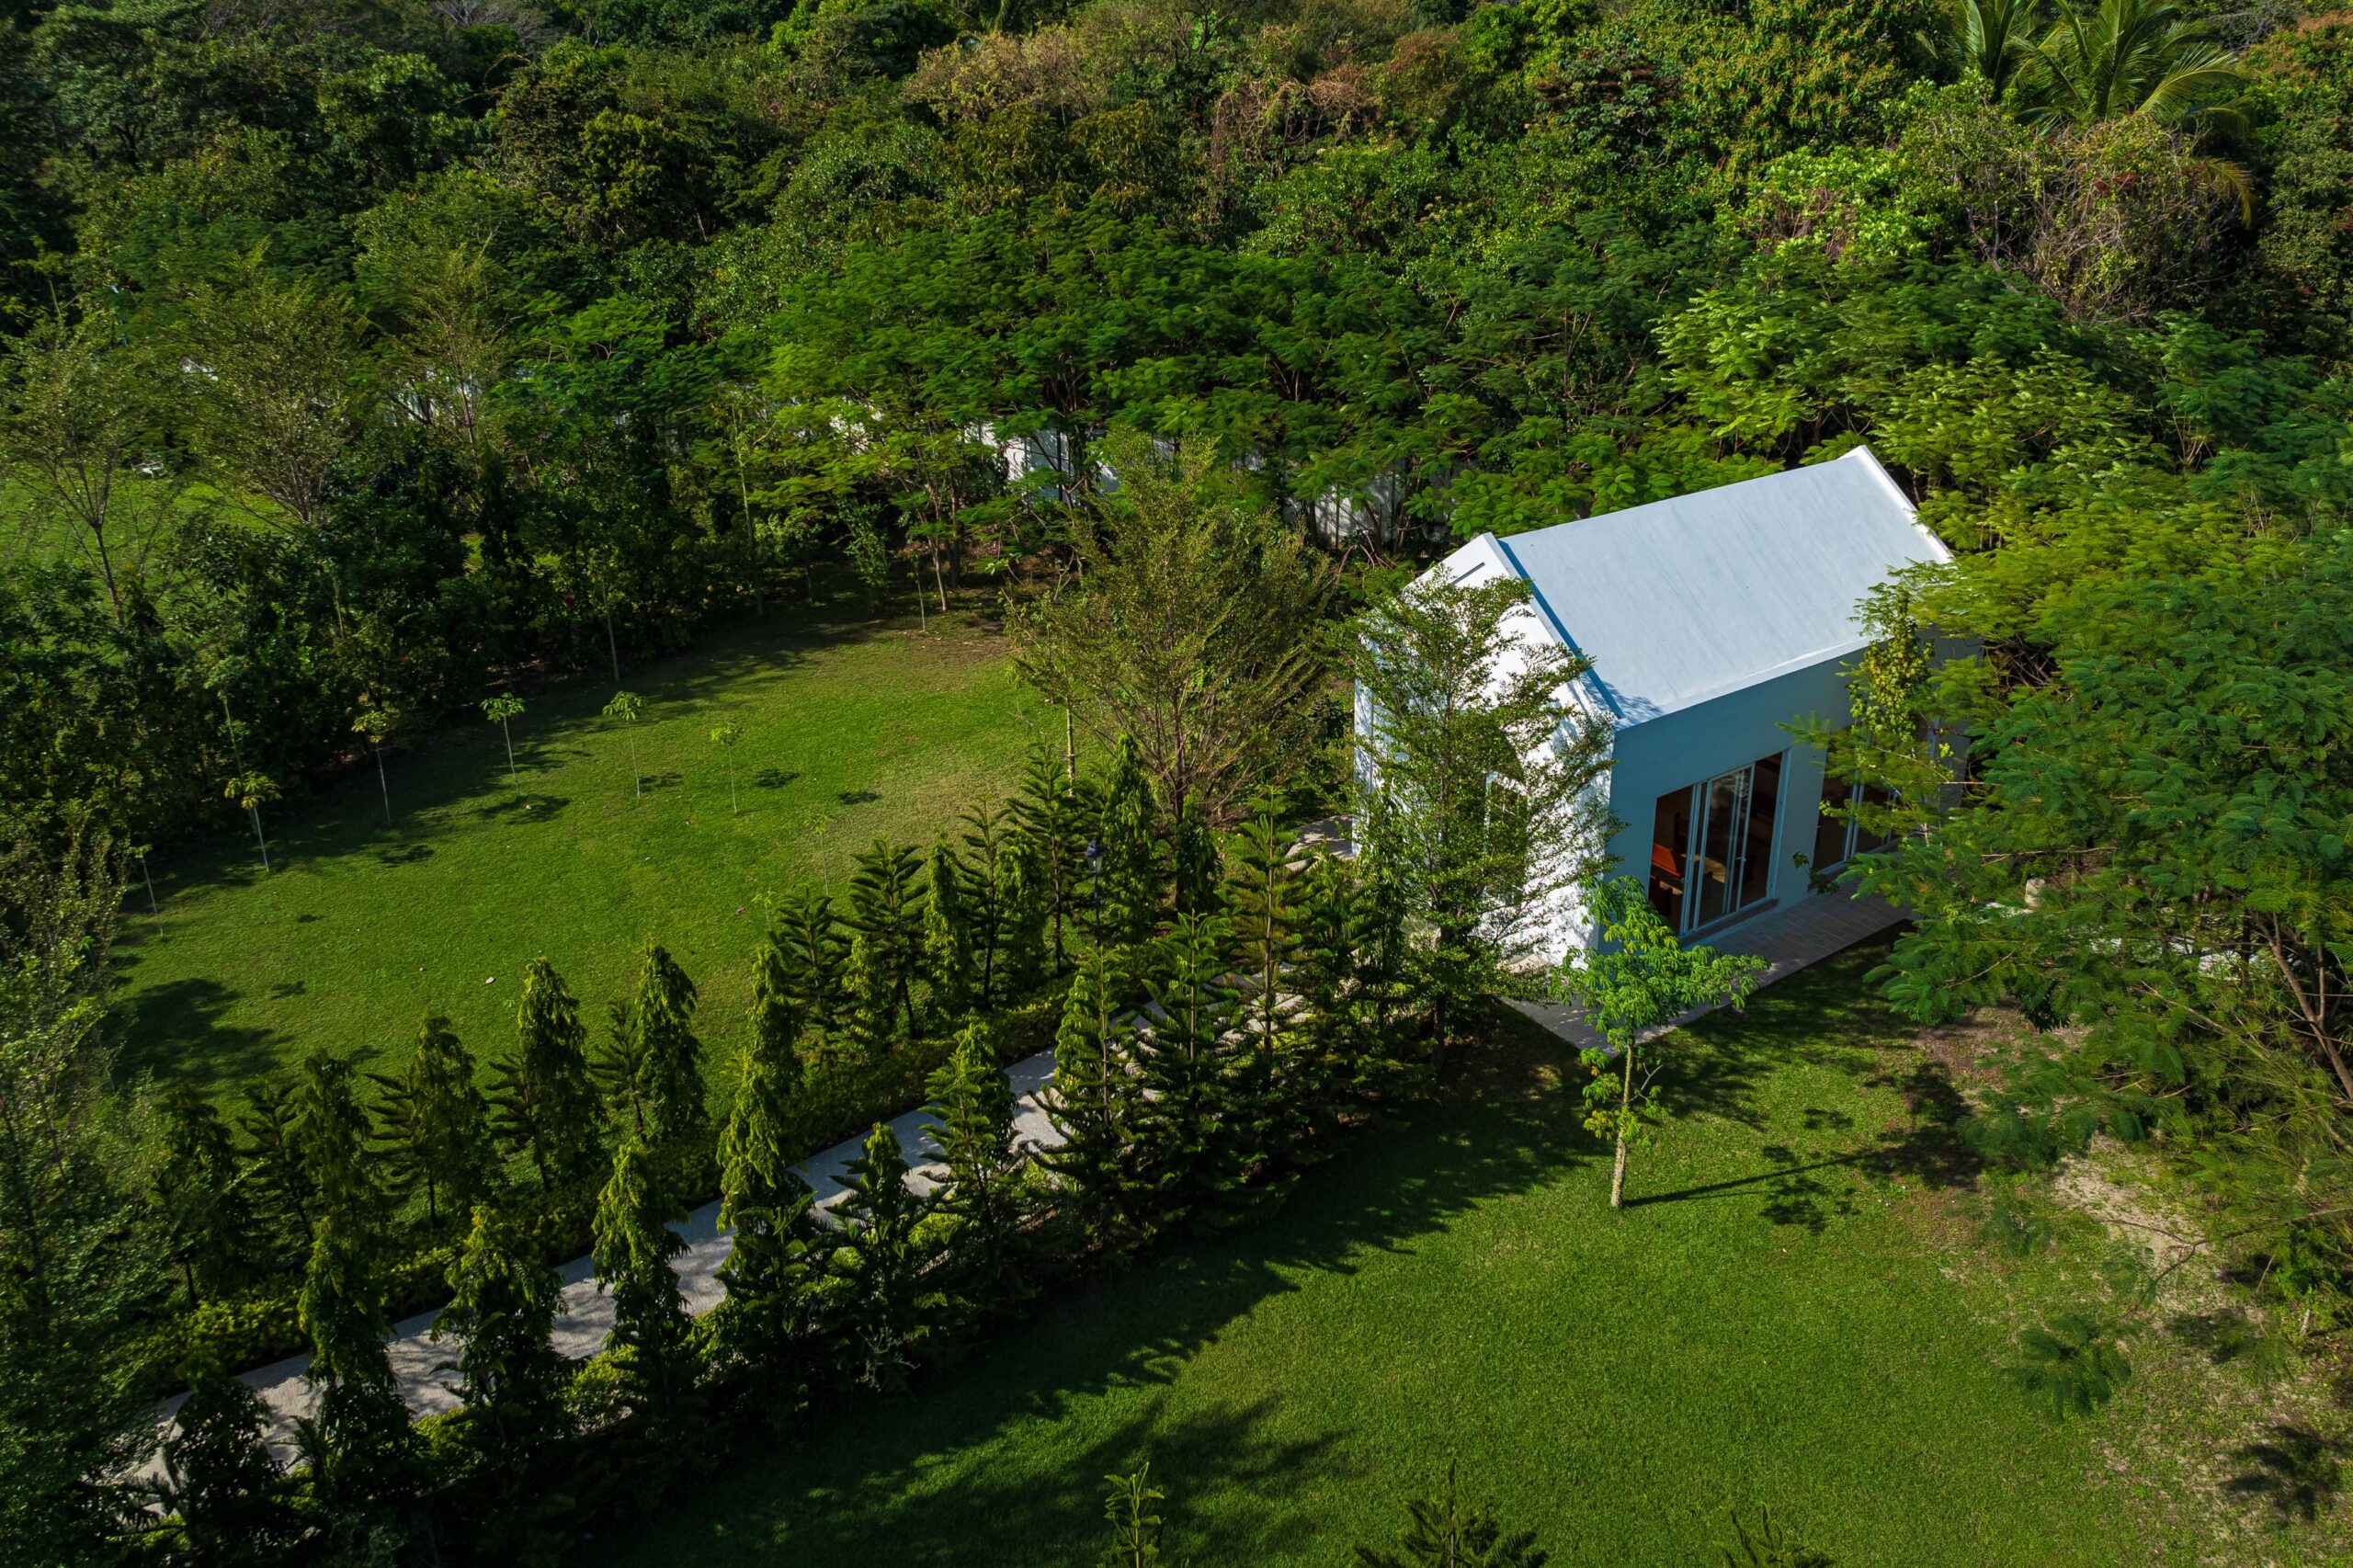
{"points": [[1687, 599]]}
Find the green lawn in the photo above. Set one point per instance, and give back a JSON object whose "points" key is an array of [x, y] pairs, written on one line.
{"points": [[848, 731], [1791, 1313]]}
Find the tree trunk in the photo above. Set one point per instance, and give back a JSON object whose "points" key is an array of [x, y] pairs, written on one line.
{"points": [[106, 571], [612, 645], [149, 878], [255, 812], [751, 545], [1625, 1103], [382, 783], [637, 774]]}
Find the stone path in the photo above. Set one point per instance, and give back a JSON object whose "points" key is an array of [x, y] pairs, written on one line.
{"points": [[1789, 939]]}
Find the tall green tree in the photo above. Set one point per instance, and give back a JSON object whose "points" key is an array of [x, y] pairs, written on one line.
{"points": [[2154, 813], [951, 941], [78, 1275], [1632, 985], [1092, 1106], [331, 1133], [360, 1446], [204, 1212], [982, 1199], [886, 910], [651, 1342], [1129, 888], [1474, 779], [668, 1055], [435, 1124], [765, 1321], [815, 958], [279, 380], [1341, 1038], [1022, 915], [78, 410], [986, 842], [512, 1383], [1055, 814], [1204, 1112], [229, 1501], [275, 1159], [1262, 898], [1190, 626], [1193, 861], [542, 1100], [880, 1301]]}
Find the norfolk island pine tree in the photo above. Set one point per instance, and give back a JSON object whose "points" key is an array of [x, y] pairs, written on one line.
{"points": [[770, 1270]]}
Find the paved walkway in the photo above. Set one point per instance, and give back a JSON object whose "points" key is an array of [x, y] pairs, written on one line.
{"points": [[1789, 940], [586, 1315]]}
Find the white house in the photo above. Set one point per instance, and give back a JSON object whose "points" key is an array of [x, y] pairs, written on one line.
{"points": [[1711, 621]]}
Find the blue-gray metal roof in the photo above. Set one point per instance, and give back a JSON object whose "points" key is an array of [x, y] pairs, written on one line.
{"points": [[1685, 599]]}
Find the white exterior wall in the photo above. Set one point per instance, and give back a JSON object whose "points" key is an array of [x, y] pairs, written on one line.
{"points": [[1694, 745], [1476, 564]]}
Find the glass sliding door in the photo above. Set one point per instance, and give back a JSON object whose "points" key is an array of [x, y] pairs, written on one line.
{"points": [[1711, 845], [1756, 836], [1725, 804]]}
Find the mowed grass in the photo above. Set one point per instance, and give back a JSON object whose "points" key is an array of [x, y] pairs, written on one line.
{"points": [[1790, 1312], [848, 731]]}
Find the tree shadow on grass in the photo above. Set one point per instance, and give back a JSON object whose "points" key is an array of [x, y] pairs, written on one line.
{"points": [[2222, 1336], [873, 1471], [525, 807], [1822, 1018], [176, 1032], [2296, 1469], [910, 1512]]}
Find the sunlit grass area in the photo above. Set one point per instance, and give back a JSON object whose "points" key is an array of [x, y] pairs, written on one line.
{"points": [[1793, 1312], [847, 731]]}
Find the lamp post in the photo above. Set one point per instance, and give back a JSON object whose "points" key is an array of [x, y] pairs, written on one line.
{"points": [[1094, 876]]}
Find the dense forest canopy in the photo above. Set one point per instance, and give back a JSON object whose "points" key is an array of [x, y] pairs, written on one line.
{"points": [[366, 352]]}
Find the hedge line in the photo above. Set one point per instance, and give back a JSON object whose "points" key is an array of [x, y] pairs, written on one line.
{"points": [[842, 1096]]}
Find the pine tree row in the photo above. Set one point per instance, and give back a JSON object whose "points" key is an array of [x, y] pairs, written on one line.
{"points": [[1227, 1012], [916, 944]]}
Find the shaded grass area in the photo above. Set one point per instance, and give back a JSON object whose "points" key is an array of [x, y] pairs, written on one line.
{"points": [[1790, 1313], [848, 731]]}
